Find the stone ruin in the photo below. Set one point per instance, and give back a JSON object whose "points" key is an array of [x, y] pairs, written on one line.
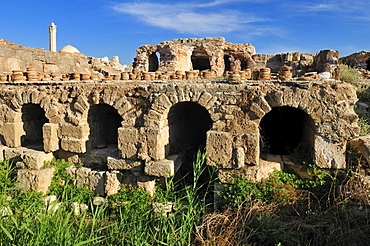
{"points": [[360, 60], [135, 131], [220, 57]]}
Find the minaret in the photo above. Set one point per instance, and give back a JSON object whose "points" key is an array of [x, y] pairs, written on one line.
{"points": [[52, 37]]}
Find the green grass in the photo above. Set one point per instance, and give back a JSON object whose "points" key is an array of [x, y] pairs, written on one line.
{"points": [[281, 210]]}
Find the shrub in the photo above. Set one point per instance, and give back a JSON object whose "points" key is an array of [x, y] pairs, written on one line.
{"points": [[348, 74]]}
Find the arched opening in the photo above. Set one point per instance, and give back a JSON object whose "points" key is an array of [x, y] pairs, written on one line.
{"points": [[188, 125], [33, 118], [243, 64], [153, 62], [227, 60], [368, 64], [104, 122], [200, 60], [285, 130]]}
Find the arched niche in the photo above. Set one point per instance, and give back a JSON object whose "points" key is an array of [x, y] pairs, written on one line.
{"points": [[104, 122], [154, 62], [286, 129], [200, 60], [228, 60], [188, 125], [33, 118]]}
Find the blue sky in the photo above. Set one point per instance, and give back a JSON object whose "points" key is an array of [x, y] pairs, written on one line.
{"points": [[101, 28]]}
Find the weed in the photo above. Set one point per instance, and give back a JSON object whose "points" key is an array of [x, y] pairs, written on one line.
{"points": [[348, 74]]}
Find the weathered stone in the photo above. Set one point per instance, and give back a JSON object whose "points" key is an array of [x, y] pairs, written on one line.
{"points": [[163, 168], [123, 164], [147, 183], [35, 159], [12, 133], [79, 132], [219, 148], [2, 152], [363, 145], [74, 145], [97, 201], [328, 154], [38, 180], [50, 137], [97, 182], [112, 184]]}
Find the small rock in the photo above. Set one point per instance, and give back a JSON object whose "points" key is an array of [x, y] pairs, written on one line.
{"points": [[97, 201]]}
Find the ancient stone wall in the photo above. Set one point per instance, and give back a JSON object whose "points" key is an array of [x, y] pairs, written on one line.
{"points": [[16, 57], [136, 130]]}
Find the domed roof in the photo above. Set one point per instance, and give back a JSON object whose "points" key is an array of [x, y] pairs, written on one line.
{"points": [[69, 49]]}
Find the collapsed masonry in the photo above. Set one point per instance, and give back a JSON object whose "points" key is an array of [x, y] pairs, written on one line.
{"points": [[134, 132], [220, 57]]}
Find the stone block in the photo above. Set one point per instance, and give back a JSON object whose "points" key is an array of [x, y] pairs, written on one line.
{"points": [[50, 136], [147, 183], [239, 157], [112, 184], [127, 141], [35, 159], [163, 168], [12, 133], [219, 148], [13, 154], [114, 163], [82, 176], [97, 182], [38, 180], [158, 142], [328, 154], [74, 145], [79, 132]]}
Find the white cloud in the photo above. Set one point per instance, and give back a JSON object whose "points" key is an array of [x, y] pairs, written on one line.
{"points": [[194, 19]]}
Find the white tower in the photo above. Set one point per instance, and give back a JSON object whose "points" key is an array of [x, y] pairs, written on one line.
{"points": [[52, 37]]}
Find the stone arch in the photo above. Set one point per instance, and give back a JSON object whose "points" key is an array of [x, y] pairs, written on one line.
{"points": [[157, 120], [33, 119], [104, 121], [200, 59], [154, 61], [284, 129], [188, 123]]}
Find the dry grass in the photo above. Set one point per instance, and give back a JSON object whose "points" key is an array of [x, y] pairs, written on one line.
{"points": [[341, 217]]}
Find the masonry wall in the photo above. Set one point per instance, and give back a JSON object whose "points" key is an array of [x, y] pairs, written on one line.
{"points": [[143, 149]]}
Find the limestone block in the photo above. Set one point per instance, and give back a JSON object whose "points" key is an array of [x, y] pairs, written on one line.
{"points": [[38, 180], [81, 104], [252, 173], [252, 150], [328, 154], [74, 145], [239, 157], [219, 148], [147, 183], [35, 159], [112, 184], [204, 99], [161, 103], [12, 133], [82, 176], [158, 142], [50, 136], [125, 107], [79, 132], [97, 181], [122, 164], [163, 168], [13, 154]]}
